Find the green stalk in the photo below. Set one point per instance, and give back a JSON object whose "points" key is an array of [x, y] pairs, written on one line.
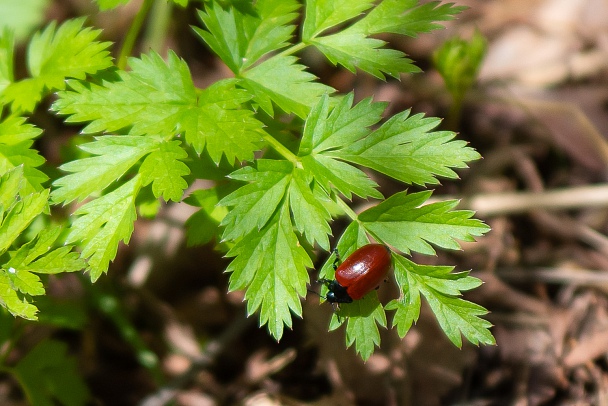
{"points": [[129, 43], [281, 149], [347, 210]]}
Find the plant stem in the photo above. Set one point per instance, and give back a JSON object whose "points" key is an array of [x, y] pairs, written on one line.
{"points": [[158, 26], [138, 22], [281, 149], [293, 49], [347, 210]]}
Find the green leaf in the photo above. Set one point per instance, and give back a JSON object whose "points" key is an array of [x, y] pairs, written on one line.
{"points": [[222, 126], [17, 211], [16, 140], [22, 16], [321, 15], [7, 53], [11, 187], [203, 225], [115, 155], [362, 319], [147, 100], [20, 215], [18, 307], [271, 264], [49, 376], [37, 256], [165, 169], [326, 133], [406, 223], [254, 204], [110, 4], [458, 61], [69, 51], [158, 98], [283, 81], [441, 289], [310, 216], [241, 38], [102, 223], [353, 50], [406, 149], [406, 17]]}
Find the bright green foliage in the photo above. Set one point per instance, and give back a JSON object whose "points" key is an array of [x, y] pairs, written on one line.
{"points": [[353, 49], [406, 223], [160, 98], [283, 81], [103, 223], [406, 17], [49, 376], [459, 61], [326, 134], [406, 149], [18, 278], [287, 176], [22, 16], [16, 139], [55, 54], [241, 37], [272, 266], [113, 157], [202, 225], [321, 15], [333, 135], [165, 170], [442, 289], [7, 52], [254, 204], [110, 4]]}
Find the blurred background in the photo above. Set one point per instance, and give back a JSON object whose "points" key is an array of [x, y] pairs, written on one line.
{"points": [[160, 327]]}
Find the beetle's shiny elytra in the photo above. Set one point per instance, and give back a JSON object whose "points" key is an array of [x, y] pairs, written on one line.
{"points": [[359, 274]]}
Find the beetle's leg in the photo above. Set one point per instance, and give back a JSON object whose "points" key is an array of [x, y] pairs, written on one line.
{"points": [[336, 307], [337, 259], [324, 281]]}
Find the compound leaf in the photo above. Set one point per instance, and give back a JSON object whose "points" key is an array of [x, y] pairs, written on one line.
{"points": [[353, 50], [281, 80], [406, 17], [102, 223], [406, 223], [165, 170], [114, 156], [441, 288], [406, 149], [69, 51], [271, 265], [321, 15], [241, 37], [255, 203]]}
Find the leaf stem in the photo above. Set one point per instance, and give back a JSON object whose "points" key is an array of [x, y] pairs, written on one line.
{"points": [[347, 210], [292, 50], [129, 42], [281, 149]]}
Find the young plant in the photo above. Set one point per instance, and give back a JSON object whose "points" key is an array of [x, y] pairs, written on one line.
{"points": [[287, 155]]}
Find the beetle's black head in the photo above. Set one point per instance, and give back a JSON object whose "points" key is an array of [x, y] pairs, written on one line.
{"points": [[337, 293]]}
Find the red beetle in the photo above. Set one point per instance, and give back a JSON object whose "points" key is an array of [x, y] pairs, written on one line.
{"points": [[359, 274]]}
